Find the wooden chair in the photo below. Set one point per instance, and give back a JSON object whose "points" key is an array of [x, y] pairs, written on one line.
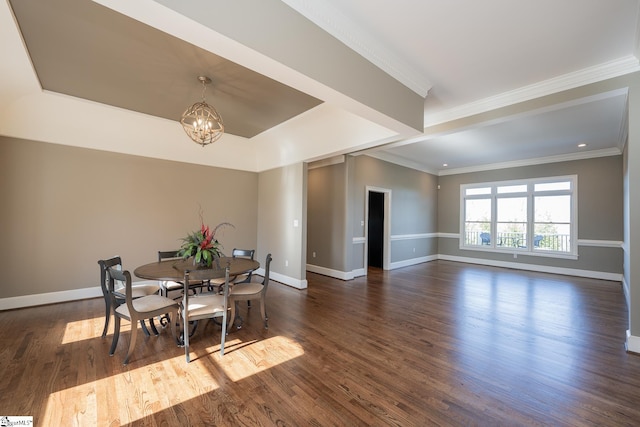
{"points": [[136, 309], [204, 305], [251, 291], [109, 286], [243, 253], [170, 285], [167, 286], [246, 277]]}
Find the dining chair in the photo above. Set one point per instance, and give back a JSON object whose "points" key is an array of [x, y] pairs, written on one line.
{"points": [[243, 253], [136, 309], [167, 286], [249, 291], [208, 305], [245, 277], [170, 285], [108, 286]]}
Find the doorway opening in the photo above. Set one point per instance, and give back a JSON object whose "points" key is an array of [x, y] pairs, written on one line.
{"points": [[377, 230]]}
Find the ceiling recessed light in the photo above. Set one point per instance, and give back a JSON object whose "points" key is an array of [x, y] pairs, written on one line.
{"points": [[582, 145], [445, 165]]}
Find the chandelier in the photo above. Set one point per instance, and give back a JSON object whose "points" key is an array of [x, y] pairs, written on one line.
{"points": [[201, 121]]}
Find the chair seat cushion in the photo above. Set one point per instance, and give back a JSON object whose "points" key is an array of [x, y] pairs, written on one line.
{"points": [[246, 289], [205, 305], [170, 285], [147, 304], [138, 291]]}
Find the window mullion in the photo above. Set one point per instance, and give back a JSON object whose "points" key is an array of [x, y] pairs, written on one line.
{"points": [[530, 220]]}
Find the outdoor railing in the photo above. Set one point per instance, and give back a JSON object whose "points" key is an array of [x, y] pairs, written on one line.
{"points": [[549, 242]]}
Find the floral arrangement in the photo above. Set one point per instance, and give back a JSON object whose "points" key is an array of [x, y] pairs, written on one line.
{"points": [[202, 245]]}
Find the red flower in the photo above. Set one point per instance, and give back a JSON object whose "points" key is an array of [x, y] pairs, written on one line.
{"points": [[202, 244]]}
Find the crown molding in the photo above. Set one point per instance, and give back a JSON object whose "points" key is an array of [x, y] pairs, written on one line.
{"points": [[334, 160], [381, 155], [537, 161], [607, 70], [400, 161], [352, 35]]}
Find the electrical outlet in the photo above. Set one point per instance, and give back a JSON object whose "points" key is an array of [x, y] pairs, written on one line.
{"points": [[313, 254], [286, 263]]}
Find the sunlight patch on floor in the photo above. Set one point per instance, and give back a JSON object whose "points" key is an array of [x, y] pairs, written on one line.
{"points": [[258, 356], [86, 329], [141, 392], [126, 396], [92, 328]]}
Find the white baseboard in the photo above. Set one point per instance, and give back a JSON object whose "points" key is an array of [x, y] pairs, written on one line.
{"points": [[359, 272], [49, 298], [289, 281], [412, 261], [342, 275], [349, 275], [56, 297], [633, 343], [616, 277]]}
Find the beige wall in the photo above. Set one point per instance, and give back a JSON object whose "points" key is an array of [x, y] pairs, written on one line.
{"points": [[632, 215], [282, 223], [326, 216], [413, 207], [600, 215], [63, 208]]}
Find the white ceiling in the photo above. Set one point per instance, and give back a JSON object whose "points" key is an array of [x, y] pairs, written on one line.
{"points": [[465, 57]]}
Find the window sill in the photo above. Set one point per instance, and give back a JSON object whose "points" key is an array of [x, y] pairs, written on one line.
{"points": [[521, 252]]}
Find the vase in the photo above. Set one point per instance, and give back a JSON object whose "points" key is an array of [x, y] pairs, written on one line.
{"points": [[203, 263]]}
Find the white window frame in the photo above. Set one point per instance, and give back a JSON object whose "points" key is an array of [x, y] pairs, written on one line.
{"points": [[530, 194]]}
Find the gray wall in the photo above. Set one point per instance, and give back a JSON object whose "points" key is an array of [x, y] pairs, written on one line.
{"points": [[282, 202], [64, 208], [326, 216], [632, 214], [413, 207], [600, 210]]}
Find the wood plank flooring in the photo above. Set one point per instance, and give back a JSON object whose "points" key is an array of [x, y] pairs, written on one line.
{"points": [[440, 343]]}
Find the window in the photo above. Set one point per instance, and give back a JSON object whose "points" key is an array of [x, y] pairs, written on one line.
{"points": [[536, 216]]}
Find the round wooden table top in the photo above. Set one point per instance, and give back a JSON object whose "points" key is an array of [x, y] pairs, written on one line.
{"points": [[173, 269]]}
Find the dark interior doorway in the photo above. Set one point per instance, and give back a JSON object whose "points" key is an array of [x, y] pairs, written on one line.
{"points": [[375, 229]]}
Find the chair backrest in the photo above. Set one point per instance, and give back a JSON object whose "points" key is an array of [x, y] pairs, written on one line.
{"points": [[116, 274], [244, 253], [267, 268], [105, 283], [207, 306], [162, 255], [204, 275]]}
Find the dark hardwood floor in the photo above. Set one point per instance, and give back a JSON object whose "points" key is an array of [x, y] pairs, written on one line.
{"points": [[439, 343]]}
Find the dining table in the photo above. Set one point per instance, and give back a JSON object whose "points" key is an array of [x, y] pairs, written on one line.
{"points": [[174, 269]]}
